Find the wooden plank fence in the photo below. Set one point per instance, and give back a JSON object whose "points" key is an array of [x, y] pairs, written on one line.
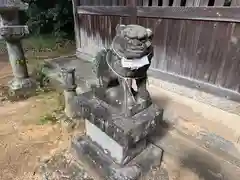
{"points": [[197, 42]]}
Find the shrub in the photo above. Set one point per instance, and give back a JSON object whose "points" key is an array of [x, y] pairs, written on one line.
{"points": [[49, 17]]}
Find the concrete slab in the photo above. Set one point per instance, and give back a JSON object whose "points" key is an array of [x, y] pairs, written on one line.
{"points": [[206, 164]]}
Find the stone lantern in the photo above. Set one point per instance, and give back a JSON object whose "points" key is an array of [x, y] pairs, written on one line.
{"points": [[13, 33]]}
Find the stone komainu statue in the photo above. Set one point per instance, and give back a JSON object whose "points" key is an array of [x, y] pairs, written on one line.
{"points": [[128, 59]]}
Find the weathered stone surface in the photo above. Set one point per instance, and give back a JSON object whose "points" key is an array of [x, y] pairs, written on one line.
{"points": [[88, 152], [68, 109], [127, 61], [12, 4], [17, 59], [20, 86], [125, 130], [120, 154], [14, 32], [115, 97], [68, 79], [69, 86]]}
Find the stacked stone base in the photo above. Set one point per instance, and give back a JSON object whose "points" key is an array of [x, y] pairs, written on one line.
{"points": [[103, 166], [116, 146]]}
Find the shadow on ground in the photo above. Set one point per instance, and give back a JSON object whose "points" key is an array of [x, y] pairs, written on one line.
{"points": [[206, 167]]}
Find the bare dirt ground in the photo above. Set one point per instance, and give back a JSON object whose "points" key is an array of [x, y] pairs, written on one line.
{"points": [[24, 139]]}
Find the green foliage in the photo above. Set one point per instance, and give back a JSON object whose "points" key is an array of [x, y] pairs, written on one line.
{"points": [[40, 43], [40, 76], [49, 16], [48, 118]]}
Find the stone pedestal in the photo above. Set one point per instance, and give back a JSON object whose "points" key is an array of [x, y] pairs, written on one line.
{"points": [[12, 33], [21, 81], [69, 90], [115, 145]]}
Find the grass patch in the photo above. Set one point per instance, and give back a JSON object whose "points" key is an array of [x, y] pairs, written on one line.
{"points": [[41, 48], [43, 43], [51, 117], [46, 43], [48, 118], [40, 43], [2, 46]]}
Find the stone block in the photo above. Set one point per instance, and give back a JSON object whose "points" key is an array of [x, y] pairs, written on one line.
{"points": [[127, 131], [115, 97], [19, 88], [14, 32], [120, 154], [104, 167], [12, 5]]}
